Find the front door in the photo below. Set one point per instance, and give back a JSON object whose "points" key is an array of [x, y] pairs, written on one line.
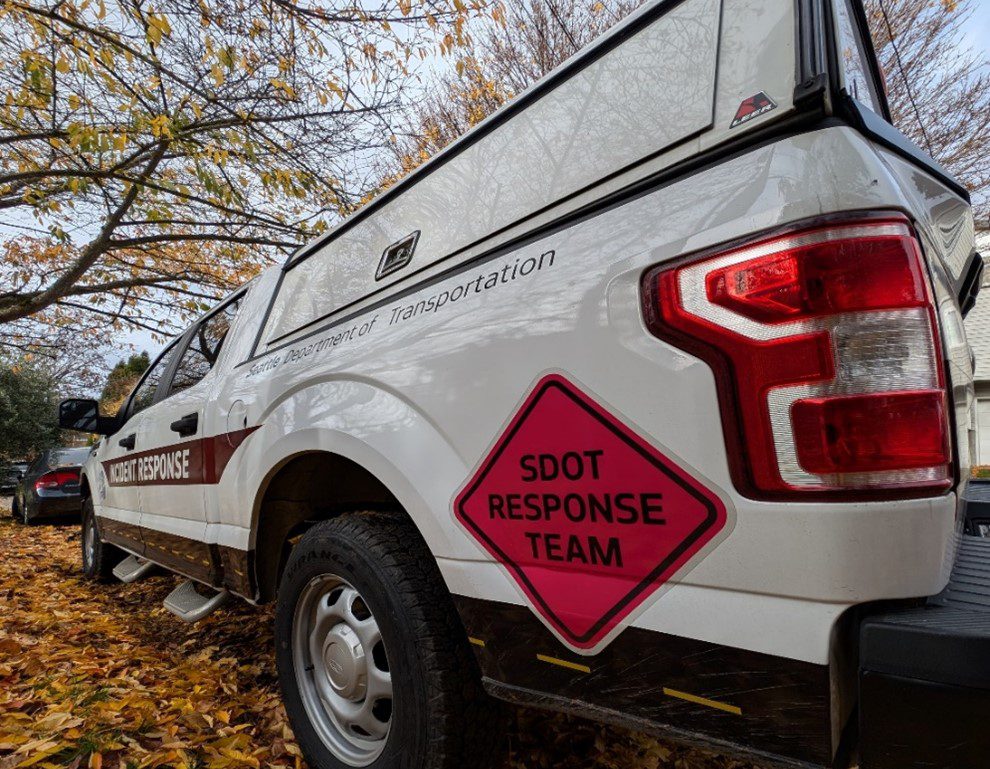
{"points": [[116, 490]]}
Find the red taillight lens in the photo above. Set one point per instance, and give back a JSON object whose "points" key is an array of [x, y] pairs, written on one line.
{"points": [[57, 478], [871, 433], [825, 350], [822, 278]]}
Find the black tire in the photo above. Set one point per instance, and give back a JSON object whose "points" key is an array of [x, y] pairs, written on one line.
{"points": [[98, 557], [15, 510], [441, 717]]}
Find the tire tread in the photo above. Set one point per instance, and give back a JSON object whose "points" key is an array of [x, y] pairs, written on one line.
{"points": [[107, 556], [464, 725]]}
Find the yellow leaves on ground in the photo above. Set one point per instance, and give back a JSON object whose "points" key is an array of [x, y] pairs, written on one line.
{"points": [[101, 676]]}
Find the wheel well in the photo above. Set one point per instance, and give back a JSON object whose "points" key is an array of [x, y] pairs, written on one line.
{"points": [[306, 489]]}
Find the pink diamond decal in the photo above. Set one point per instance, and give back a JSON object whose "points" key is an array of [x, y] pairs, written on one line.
{"points": [[588, 518]]}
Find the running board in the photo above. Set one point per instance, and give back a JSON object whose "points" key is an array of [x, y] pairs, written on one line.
{"points": [[189, 605], [132, 568]]}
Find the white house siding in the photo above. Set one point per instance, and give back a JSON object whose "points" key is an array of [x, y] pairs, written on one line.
{"points": [[978, 333]]}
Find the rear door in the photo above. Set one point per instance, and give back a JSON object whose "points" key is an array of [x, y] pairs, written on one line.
{"points": [[117, 493], [178, 460]]}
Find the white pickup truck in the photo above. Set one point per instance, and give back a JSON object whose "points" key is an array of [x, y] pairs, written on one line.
{"points": [[648, 400]]}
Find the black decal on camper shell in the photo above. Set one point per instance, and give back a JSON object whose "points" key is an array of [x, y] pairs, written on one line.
{"points": [[397, 256]]}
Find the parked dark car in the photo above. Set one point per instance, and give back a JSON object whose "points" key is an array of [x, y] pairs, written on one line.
{"points": [[10, 475], [50, 486]]}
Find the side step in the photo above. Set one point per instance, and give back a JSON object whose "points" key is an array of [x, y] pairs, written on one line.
{"points": [[132, 568], [189, 605]]}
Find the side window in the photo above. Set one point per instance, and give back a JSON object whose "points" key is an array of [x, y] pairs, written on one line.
{"points": [[204, 347], [145, 392], [853, 61]]}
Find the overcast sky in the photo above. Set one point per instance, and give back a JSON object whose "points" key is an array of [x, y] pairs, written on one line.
{"points": [[978, 34]]}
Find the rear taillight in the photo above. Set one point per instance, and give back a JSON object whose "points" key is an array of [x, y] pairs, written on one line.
{"points": [[825, 348], [57, 478]]}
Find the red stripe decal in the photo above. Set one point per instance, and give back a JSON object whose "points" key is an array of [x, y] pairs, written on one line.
{"points": [[202, 460]]}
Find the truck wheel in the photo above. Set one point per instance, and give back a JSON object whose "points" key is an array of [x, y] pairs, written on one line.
{"points": [[98, 558], [373, 662]]}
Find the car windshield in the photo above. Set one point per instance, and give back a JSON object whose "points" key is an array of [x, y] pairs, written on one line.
{"points": [[64, 457]]}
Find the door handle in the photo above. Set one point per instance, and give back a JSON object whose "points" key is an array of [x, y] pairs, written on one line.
{"points": [[127, 443], [186, 425]]}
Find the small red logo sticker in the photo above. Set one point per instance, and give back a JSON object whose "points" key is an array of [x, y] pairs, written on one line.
{"points": [[752, 107], [588, 518]]}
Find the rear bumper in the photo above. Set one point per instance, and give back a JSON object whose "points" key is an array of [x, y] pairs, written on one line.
{"points": [[55, 507], [925, 675]]}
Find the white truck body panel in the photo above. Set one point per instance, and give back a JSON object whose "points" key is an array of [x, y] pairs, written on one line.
{"points": [[535, 233], [435, 433]]}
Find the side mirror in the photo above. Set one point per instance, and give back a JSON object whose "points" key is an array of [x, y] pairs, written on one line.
{"points": [[83, 415]]}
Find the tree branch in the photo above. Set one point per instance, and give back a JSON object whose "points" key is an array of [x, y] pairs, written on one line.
{"points": [[13, 309]]}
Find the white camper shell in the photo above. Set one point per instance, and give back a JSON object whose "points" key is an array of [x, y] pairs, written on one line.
{"points": [[647, 400]]}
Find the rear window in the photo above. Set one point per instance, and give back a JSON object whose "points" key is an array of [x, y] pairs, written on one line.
{"points": [[68, 457], [854, 60]]}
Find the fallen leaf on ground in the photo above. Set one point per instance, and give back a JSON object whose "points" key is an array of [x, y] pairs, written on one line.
{"points": [[102, 676]]}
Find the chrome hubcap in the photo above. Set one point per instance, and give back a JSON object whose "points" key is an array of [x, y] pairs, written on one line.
{"points": [[342, 670]]}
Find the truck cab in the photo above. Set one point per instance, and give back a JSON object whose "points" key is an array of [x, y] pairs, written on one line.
{"points": [[648, 400]]}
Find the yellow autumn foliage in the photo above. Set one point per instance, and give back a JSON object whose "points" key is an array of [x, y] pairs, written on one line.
{"points": [[102, 676]]}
